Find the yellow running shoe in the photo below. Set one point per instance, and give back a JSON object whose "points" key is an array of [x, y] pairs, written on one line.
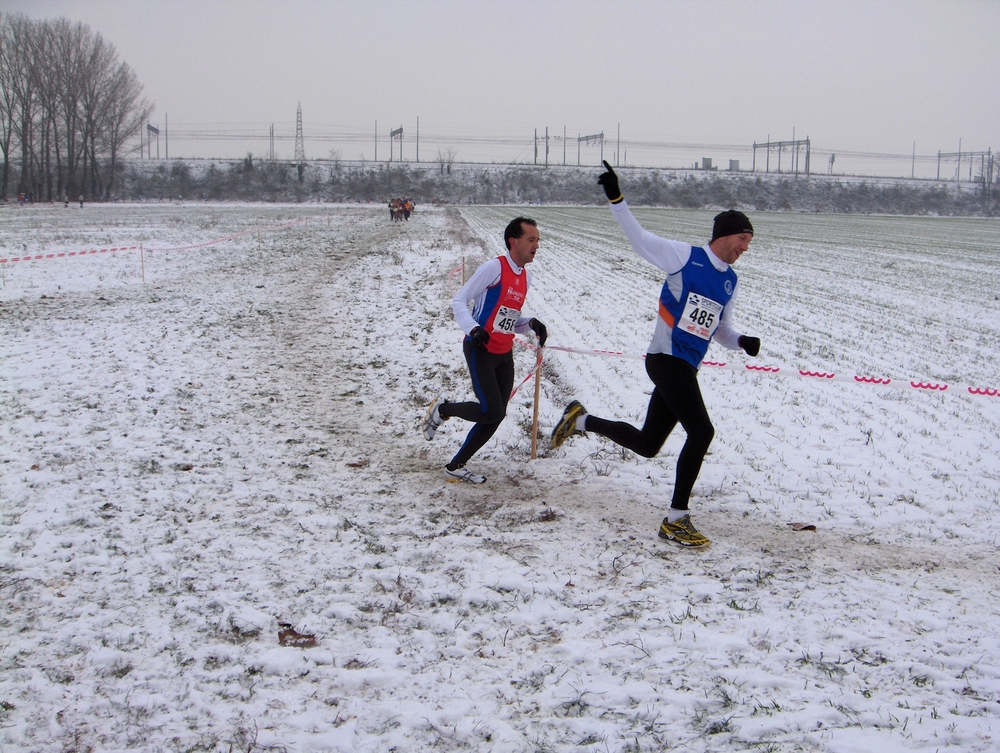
{"points": [[683, 532], [567, 424]]}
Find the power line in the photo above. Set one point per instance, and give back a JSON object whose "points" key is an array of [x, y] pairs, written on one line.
{"points": [[327, 133], [508, 145]]}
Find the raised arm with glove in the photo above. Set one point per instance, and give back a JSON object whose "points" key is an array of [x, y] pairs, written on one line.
{"points": [[609, 181]]}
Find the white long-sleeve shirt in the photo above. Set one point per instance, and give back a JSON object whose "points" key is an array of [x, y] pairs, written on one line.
{"points": [[474, 291], [671, 257]]}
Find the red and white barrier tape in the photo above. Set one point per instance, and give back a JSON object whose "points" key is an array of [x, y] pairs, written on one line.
{"points": [[460, 269], [822, 375], [61, 254], [523, 382]]}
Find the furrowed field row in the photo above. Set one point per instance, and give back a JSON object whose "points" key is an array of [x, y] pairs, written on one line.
{"points": [[833, 318]]}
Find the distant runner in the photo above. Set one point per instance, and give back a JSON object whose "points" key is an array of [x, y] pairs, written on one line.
{"points": [[695, 307], [496, 293]]}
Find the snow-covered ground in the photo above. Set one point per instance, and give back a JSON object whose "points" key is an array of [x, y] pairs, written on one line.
{"points": [[190, 462]]}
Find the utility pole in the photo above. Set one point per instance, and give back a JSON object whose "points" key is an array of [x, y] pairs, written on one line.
{"points": [[166, 140], [795, 158], [396, 134], [598, 137], [418, 140], [988, 174], [985, 157], [300, 146], [794, 146], [151, 131]]}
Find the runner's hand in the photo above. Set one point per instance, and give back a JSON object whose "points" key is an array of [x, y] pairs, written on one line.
{"points": [[750, 344], [610, 183], [479, 337], [539, 328]]}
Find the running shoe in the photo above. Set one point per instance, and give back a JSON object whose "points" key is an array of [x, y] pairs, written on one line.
{"points": [[683, 532], [433, 419], [567, 424], [463, 474]]}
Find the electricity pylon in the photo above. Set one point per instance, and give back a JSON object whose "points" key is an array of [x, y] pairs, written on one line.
{"points": [[300, 148]]}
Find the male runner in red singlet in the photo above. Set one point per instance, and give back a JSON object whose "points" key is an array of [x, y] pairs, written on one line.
{"points": [[496, 293]]}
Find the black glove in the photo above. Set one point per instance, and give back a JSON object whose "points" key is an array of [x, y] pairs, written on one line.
{"points": [[479, 337], [750, 344], [539, 328], [610, 183]]}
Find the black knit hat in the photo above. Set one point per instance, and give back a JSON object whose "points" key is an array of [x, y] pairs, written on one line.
{"points": [[731, 222]]}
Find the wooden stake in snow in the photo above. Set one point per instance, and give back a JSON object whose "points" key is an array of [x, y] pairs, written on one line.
{"points": [[142, 262], [534, 412]]}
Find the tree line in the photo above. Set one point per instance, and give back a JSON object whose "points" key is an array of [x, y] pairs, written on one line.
{"points": [[68, 107], [254, 179]]}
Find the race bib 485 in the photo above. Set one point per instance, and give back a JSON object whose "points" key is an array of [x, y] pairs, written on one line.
{"points": [[701, 316]]}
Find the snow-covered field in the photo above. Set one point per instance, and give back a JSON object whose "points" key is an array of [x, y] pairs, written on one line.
{"points": [[190, 462]]}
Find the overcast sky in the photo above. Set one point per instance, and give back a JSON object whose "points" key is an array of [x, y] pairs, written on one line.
{"points": [[867, 76]]}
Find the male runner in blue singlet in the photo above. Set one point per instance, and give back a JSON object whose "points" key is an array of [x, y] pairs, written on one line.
{"points": [[496, 293], [695, 307]]}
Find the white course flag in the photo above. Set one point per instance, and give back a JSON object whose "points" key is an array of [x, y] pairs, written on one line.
{"points": [[822, 375]]}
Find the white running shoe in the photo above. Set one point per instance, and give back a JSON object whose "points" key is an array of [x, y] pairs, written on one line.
{"points": [[433, 419], [463, 474]]}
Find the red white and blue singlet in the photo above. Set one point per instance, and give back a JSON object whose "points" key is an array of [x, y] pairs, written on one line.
{"points": [[694, 317], [498, 311]]}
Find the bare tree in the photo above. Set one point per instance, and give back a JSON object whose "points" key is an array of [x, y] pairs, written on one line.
{"points": [[19, 81], [123, 117], [96, 88], [445, 159], [8, 99], [70, 44], [46, 141], [68, 106]]}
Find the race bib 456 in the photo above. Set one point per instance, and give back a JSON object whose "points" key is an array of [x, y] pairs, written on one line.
{"points": [[505, 320]]}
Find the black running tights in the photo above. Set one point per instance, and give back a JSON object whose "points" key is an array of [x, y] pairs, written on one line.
{"points": [[676, 398], [492, 380]]}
